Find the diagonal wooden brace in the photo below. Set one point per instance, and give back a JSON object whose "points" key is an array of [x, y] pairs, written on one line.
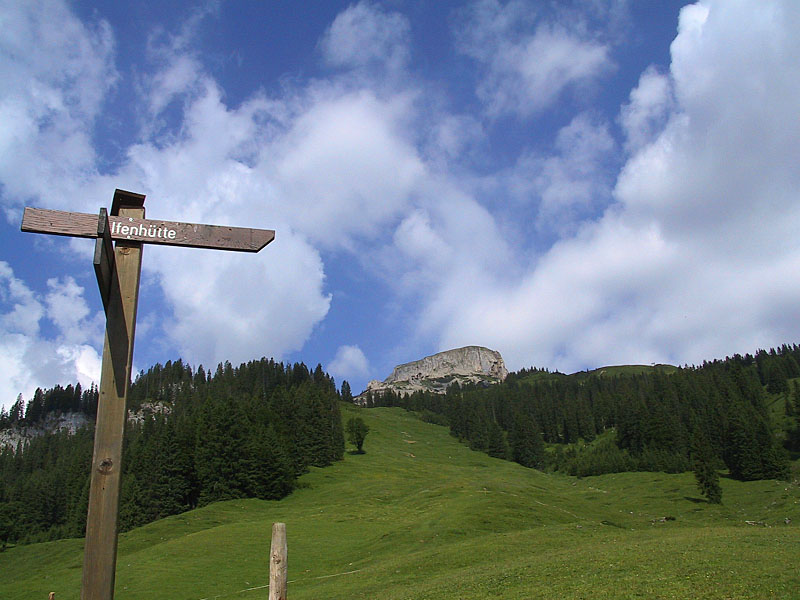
{"points": [[105, 267]]}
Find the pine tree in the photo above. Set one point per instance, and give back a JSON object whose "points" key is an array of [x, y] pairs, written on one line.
{"points": [[347, 394], [498, 444], [219, 451], [526, 442], [703, 466], [267, 469]]}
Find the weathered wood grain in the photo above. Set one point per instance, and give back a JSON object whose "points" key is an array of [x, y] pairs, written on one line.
{"points": [[118, 270], [100, 553], [278, 563], [148, 231], [104, 263]]}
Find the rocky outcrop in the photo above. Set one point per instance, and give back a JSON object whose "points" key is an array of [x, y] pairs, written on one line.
{"points": [[472, 364], [148, 409], [69, 422]]}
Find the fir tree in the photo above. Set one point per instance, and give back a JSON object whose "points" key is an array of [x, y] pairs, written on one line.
{"points": [[347, 394], [526, 442], [498, 444], [703, 466]]}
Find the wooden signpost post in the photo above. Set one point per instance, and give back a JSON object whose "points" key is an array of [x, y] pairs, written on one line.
{"points": [[117, 266]]}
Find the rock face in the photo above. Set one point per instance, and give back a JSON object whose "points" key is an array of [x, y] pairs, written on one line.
{"points": [[472, 364], [69, 422]]}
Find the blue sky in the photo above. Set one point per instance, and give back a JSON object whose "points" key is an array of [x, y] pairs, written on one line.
{"points": [[573, 184]]}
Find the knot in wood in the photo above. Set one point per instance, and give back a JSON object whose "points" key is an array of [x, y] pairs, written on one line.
{"points": [[105, 466]]}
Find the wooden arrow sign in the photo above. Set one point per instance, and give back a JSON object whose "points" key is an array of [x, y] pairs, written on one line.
{"points": [[118, 270], [168, 233]]}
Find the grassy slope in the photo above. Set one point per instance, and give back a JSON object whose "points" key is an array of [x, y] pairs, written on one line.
{"points": [[609, 371], [622, 370], [420, 516]]}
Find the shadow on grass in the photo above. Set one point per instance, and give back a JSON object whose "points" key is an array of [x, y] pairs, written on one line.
{"points": [[356, 452], [696, 500], [612, 524]]}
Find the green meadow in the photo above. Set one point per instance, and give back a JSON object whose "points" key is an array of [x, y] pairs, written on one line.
{"points": [[421, 516]]}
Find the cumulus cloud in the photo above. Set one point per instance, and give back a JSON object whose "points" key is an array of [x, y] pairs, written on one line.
{"points": [[225, 308], [526, 72], [688, 250], [696, 257], [349, 362], [646, 113], [365, 34], [346, 160], [220, 306], [67, 308], [229, 306], [325, 165], [56, 72], [569, 184], [442, 255], [30, 357], [26, 310]]}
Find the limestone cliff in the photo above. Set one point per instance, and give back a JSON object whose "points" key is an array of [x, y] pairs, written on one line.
{"points": [[71, 422], [472, 364]]}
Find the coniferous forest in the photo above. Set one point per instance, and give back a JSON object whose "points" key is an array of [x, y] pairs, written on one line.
{"points": [[196, 438], [741, 414]]}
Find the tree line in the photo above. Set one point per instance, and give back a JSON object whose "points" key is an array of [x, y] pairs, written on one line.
{"points": [[710, 417], [201, 437], [58, 400]]}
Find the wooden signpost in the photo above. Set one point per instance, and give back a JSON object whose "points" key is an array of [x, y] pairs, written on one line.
{"points": [[117, 266]]}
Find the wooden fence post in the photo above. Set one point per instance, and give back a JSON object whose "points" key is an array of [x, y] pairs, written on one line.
{"points": [[278, 567]]}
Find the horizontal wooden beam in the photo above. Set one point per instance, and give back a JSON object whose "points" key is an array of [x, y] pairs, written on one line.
{"points": [[148, 231]]}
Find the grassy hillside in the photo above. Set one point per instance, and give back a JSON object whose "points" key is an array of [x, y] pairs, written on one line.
{"points": [[629, 370], [609, 371], [421, 516]]}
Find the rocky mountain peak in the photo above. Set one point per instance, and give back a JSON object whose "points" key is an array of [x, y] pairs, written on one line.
{"points": [[471, 364]]}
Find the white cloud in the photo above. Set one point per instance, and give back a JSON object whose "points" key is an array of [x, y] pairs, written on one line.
{"points": [[24, 317], [56, 72], [442, 257], [345, 167], [30, 358], [235, 307], [579, 285], [699, 256], [645, 116], [223, 307], [349, 362], [365, 34], [452, 137], [325, 168], [67, 309], [177, 70], [572, 182], [179, 76], [526, 72]]}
